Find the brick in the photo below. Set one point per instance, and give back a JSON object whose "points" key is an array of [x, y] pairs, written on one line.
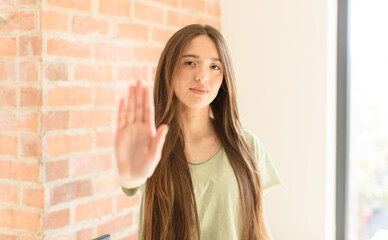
{"points": [[115, 7], [57, 72], [70, 191], [82, 5], [76, 49], [147, 54], [21, 219], [94, 209], [93, 73], [148, 13], [161, 35], [87, 24], [133, 236], [8, 47], [28, 122], [84, 72], [30, 146], [214, 23], [18, 3], [18, 121], [53, 20], [198, 5], [124, 202], [8, 96], [18, 21], [30, 97], [120, 92], [105, 139], [104, 162], [179, 19], [153, 73], [104, 96], [7, 71], [109, 51], [85, 233], [83, 165], [30, 46], [21, 171], [133, 73], [28, 71], [115, 225], [33, 197], [213, 8], [132, 31], [91, 119], [106, 184], [8, 194], [8, 237], [89, 164], [55, 121], [60, 235], [173, 3], [30, 238], [8, 145], [66, 144], [68, 96], [57, 170], [57, 219]]}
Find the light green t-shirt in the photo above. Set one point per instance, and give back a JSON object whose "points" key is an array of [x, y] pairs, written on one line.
{"points": [[217, 194]]}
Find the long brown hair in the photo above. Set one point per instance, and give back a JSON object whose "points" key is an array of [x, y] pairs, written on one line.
{"points": [[170, 210]]}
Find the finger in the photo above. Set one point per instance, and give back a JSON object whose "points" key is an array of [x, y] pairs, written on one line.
{"points": [[158, 141], [131, 104], [121, 115], [139, 103], [149, 109]]}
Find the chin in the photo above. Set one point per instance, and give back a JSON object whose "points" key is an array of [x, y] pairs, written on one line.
{"points": [[197, 105]]}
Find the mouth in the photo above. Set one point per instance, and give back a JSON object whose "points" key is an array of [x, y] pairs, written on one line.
{"points": [[200, 91]]}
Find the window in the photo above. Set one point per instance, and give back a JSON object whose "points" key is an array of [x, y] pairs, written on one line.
{"points": [[362, 154]]}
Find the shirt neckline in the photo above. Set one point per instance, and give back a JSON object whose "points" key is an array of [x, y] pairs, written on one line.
{"points": [[214, 154]]}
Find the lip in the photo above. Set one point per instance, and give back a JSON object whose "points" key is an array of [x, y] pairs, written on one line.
{"points": [[200, 91]]}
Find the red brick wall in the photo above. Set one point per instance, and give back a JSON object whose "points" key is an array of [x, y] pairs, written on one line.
{"points": [[63, 66]]}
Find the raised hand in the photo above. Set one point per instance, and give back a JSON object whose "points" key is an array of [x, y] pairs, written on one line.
{"points": [[138, 145]]}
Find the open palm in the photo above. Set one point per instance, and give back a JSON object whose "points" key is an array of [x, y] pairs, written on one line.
{"points": [[138, 145]]}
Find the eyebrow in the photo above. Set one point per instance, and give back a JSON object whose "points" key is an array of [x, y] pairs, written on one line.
{"points": [[196, 56]]}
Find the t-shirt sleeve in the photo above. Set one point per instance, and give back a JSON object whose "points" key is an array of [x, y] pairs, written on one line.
{"points": [[130, 191], [270, 178]]}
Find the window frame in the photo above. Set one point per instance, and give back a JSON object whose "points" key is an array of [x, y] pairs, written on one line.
{"points": [[342, 135]]}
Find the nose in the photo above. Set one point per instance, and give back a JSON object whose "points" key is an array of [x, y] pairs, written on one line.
{"points": [[202, 74]]}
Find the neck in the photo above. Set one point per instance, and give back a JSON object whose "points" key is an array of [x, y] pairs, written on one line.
{"points": [[195, 123]]}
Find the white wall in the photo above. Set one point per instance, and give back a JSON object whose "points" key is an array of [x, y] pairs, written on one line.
{"points": [[284, 57]]}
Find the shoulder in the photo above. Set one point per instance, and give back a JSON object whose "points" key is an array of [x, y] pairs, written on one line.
{"points": [[259, 150], [249, 135], [268, 172], [253, 141]]}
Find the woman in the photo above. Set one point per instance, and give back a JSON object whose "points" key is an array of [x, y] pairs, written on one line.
{"points": [[198, 172]]}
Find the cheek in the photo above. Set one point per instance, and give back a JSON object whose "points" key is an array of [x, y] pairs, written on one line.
{"points": [[218, 82], [178, 87], [179, 79]]}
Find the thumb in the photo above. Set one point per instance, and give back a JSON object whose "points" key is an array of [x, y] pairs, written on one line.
{"points": [[158, 140]]}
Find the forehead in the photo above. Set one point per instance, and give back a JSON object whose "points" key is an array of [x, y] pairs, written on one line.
{"points": [[203, 46]]}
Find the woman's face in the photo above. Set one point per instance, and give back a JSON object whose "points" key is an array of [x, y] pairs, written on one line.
{"points": [[199, 74]]}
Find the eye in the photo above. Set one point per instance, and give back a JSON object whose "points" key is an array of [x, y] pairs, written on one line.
{"points": [[215, 67], [190, 63]]}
